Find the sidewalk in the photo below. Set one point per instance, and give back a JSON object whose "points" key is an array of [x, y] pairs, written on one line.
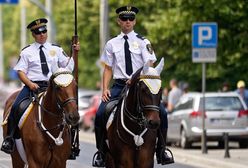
{"points": [[194, 157], [213, 159]]}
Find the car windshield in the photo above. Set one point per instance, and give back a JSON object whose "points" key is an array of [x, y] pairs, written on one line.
{"points": [[222, 103]]}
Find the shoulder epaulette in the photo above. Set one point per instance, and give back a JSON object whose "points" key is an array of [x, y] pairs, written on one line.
{"points": [[140, 37], [26, 47], [56, 45]]}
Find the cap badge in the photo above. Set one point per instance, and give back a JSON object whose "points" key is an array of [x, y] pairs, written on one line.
{"points": [[37, 22], [129, 8]]}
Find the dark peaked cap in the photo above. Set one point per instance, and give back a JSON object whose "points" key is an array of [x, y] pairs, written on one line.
{"points": [[127, 10], [37, 24]]}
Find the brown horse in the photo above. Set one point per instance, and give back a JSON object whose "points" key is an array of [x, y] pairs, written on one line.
{"points": [[132, 135], [45, 134]]}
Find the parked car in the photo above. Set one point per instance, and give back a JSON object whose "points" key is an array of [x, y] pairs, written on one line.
{"points": [[86, 100], [224, 113]]}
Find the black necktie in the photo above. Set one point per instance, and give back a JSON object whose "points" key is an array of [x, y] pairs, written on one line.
{"points": [[44, 66], [128, 60]]}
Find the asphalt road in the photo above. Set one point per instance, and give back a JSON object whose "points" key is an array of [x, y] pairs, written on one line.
{"points": [[87, 147]]}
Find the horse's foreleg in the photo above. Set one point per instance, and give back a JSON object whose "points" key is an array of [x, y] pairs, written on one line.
{"points": [[16, 160], [109, 161]]}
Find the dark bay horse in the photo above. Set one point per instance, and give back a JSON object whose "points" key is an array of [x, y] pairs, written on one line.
{"points": [[45, 134], [132, 135]]}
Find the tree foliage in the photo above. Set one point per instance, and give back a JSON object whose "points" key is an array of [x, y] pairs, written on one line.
{"points": [[166, 23]]}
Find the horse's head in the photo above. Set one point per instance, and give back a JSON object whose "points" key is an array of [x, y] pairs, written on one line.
{"points": [[64, 87], [147, 84]]}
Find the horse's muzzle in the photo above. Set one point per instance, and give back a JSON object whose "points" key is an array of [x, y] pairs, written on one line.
{"points": [[153, 124], [72, 118]]}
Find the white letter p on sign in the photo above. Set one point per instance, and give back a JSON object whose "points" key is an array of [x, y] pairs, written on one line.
{"points": [[204, 33]]}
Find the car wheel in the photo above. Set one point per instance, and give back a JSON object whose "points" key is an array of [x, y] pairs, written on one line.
{"points": [[184, 142], [243, 144]]}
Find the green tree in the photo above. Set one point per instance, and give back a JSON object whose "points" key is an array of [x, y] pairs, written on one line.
{"points": [[166, 23]]}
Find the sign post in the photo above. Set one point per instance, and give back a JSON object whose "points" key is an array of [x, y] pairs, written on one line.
{"points": [[204, 44]]}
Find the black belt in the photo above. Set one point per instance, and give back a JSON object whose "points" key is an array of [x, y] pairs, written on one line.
{"points": [[42, 83], [121, 81]]}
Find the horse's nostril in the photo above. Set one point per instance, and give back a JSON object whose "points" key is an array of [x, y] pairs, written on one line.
{"points": [[153, 124]]}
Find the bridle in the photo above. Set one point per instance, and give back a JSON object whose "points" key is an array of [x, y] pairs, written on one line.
{"points": [[60, 105], [141, 107]]}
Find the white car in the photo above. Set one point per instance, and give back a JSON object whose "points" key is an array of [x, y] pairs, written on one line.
{"points": [[224, 113]]}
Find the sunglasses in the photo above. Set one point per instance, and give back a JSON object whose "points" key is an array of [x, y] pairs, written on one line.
{"points": [[130, 18], [39, 32]]}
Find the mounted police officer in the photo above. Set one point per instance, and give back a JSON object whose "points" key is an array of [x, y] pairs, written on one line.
{"points": [[34, 70], [122, 56]]}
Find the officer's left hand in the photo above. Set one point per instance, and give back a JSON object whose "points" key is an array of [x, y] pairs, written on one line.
{"points": [[76, 46]]}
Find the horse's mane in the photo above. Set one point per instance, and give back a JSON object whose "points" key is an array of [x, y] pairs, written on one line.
{"points": [[136, 76]]}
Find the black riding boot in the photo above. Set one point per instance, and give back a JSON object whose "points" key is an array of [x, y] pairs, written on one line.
{"points": [[99, 157], [74, 143], [162, 156], [9, 142]]}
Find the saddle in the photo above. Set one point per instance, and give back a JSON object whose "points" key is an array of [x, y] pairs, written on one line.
{"points": [[22, 106], [110, 106]]}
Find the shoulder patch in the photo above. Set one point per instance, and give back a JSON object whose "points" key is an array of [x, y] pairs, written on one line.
{"points": [[140, 37], [56, 45], [26, 47], [149, 48]]}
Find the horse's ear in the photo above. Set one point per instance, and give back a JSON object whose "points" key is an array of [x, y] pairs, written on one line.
{"points": [[54, 67], [70, 65], [146, 67], [160, 66]]}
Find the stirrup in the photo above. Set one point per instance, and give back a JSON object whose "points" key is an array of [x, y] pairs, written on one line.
{"points": [[98, 162], [167, 160], [8, 145], [163, 158]]}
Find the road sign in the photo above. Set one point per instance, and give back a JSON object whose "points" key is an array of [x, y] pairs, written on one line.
{"points": [[9, 1], [204, 42]]}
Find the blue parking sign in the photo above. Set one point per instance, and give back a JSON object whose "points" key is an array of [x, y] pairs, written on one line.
{"points": [[9, 1], [204, 35]]}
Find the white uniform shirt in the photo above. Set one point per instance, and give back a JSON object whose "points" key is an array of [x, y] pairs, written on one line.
{"points": [[29, 61], [114, 54]]}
